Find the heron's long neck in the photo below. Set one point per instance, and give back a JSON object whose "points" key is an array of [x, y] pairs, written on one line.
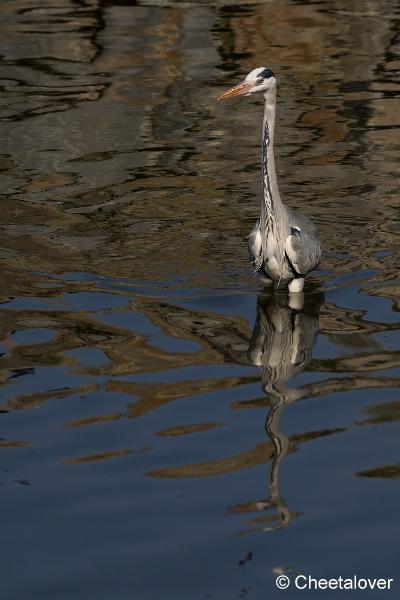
{"points": [[271, 201]]}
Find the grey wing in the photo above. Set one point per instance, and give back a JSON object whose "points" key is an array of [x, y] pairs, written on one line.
{"points": [[254, 246], [302, 247]]}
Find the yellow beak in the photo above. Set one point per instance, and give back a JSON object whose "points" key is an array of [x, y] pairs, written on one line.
{"points": [[237, 90]]}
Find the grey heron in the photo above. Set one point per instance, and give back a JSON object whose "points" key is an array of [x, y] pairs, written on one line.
{"points": [[283, 245]]}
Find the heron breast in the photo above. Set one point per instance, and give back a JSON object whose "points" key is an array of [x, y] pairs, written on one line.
{"points": [[271, 264]]}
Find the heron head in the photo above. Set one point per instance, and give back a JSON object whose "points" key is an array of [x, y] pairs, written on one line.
{"points": [[261, 79]]}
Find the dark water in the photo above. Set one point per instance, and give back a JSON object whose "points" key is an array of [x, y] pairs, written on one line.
{"points": [[167, 430]]}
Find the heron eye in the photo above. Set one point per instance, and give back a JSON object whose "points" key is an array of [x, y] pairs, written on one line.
{"points": [[259, 80]]}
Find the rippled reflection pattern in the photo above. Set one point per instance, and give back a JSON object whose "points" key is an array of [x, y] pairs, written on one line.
{"points": [[283, 337], [134, 460]]}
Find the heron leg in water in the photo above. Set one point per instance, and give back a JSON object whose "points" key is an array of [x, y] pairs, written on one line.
{"points": [[296, 285]]}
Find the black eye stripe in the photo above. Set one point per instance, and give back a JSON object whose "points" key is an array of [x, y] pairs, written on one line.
{"points": [[266, 74]]}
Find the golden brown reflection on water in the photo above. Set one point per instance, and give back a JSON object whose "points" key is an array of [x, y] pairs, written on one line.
{"points": [[127, 301], [126, 148]]}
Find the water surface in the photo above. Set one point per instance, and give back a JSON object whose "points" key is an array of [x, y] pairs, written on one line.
{"points": [[169, 429]]}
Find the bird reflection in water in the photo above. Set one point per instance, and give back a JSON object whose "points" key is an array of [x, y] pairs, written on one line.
{"points": [[281, 344]]}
